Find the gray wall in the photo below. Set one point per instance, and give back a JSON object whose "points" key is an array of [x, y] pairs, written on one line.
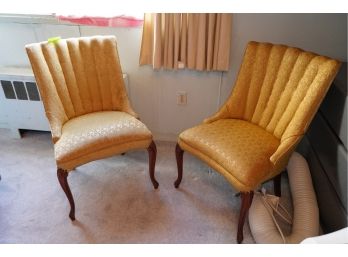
{"points": [[324, 34]]}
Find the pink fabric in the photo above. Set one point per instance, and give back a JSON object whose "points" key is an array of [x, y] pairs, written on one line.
{"points": [[117, 21]]}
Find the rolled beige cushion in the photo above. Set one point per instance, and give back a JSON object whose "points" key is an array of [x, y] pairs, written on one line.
{"points": [[306, 212]]}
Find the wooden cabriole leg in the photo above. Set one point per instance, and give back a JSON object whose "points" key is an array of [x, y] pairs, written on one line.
{"points": [[63, 181], [179, 153], [277, 185], [152, 150], [247, 198]]}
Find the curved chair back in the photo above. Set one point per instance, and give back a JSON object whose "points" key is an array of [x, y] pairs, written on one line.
{"points": [[280, 88], [77, 76]]}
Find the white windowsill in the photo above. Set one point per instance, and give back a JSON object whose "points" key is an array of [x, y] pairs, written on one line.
{"points": [[31, 19]]}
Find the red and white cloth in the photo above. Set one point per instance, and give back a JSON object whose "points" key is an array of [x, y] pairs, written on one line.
{"points": [[116, 21]]}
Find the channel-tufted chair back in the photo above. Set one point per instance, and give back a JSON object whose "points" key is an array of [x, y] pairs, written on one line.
{"points": [[279, 88], [77, 76]]}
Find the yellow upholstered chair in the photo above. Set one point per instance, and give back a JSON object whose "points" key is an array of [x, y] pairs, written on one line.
{"points": [[82, 89], [250, 139]]}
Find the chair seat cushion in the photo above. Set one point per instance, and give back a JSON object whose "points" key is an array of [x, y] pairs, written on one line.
{"points": [[98, 135], [237, 149]]}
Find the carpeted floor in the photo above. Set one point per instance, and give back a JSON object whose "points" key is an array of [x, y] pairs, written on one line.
{"points": [[114, 197]]}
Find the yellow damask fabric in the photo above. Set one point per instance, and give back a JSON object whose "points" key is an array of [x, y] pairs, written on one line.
{"points": [[94, 132], [278, 89], [81, 85], [77, 76], [241, 148]]}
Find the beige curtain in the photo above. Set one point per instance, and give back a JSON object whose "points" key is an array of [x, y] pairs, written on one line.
{"points": [[186, 40]]}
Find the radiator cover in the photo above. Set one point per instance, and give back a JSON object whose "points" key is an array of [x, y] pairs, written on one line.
{"points": [[20, 101]]}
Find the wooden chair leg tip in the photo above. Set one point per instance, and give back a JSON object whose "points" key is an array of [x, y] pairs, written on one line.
{"points": [[72, 217], [155, 184], [176, 184]]}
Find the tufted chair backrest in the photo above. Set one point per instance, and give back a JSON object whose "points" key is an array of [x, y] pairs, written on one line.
{"points": [[77, 76], [280, 88]]}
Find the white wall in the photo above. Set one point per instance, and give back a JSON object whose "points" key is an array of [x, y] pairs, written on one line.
{"points": [[153, 93], [325, 34]]}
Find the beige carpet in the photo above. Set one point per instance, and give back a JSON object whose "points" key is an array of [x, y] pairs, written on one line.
{"points": [[114, 197]]}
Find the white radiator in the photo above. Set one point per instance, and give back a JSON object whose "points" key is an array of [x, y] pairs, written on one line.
{"points": [[20, 102]]}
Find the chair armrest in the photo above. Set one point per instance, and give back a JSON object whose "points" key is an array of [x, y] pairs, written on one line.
{"points": [[220, 114], [126, 106], [56, 124], [130, 111], [281, 156]]}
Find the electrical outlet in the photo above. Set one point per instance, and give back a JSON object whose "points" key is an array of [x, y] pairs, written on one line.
{"points": [[181, 98], [181, 65]]}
